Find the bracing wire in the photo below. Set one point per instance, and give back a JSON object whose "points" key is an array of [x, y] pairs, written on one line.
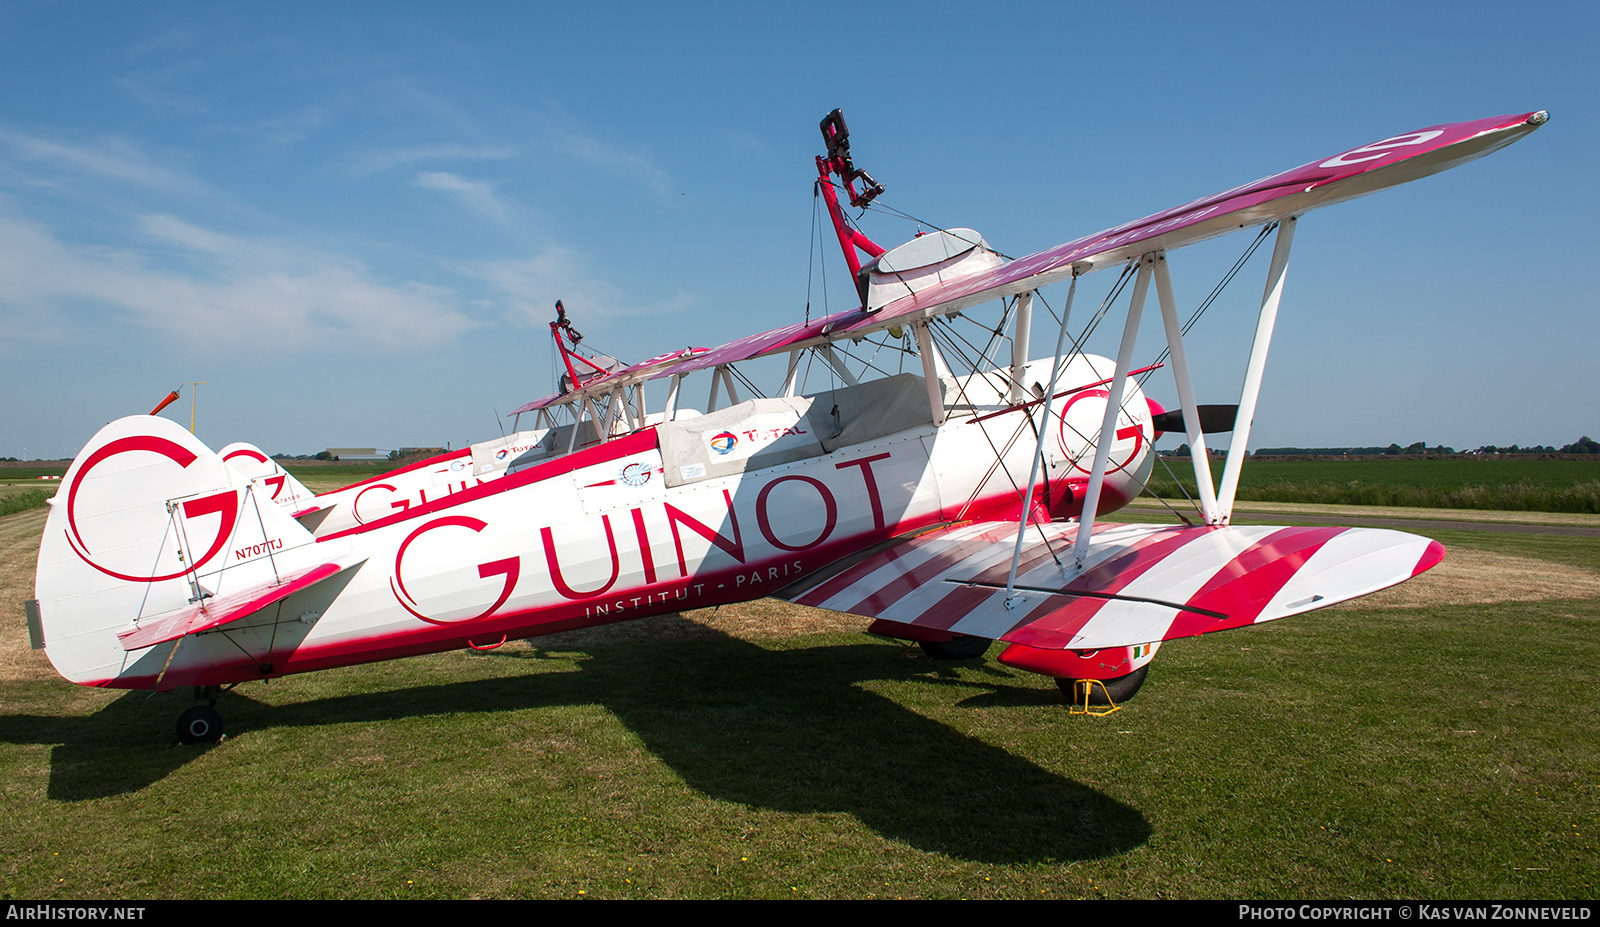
{"points": [[1216, 291]]}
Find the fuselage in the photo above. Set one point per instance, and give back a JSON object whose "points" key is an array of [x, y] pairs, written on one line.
{"points": [[598, 535]]}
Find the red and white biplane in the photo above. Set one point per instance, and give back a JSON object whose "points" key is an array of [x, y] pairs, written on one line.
{"points": [[951, 508]]}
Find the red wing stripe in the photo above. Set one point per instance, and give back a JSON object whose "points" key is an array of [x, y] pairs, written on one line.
{"points": [[1033, 554], [1068, 616], [1243, 588], [1115, 574], [835, 585], [906, 583], [954, 606]]}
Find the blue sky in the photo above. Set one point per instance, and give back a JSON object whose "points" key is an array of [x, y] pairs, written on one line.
{"points": [[353, 219]]}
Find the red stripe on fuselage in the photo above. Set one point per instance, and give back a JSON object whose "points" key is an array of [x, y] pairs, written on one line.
{"points": [[636, 443]]}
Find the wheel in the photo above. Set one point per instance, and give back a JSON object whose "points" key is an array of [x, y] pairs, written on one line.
{"points": [[1119, 690], [201, 724], [959, 647]]}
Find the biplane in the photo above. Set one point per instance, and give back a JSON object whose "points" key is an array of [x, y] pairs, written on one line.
{"points": [[948, 492]]}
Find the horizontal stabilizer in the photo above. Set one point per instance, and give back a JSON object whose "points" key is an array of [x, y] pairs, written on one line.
{"points": [[216, 611], [1139, 584]]}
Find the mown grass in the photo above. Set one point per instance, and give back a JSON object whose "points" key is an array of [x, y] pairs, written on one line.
{"points": [[1355, 752], [1518, 486]]}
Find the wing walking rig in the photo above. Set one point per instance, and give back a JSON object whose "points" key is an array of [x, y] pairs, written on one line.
{"points": [[952, 509]]}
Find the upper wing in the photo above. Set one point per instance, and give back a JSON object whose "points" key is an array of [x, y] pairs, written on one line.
{"points": [[1139, 584], [1349, 174]]}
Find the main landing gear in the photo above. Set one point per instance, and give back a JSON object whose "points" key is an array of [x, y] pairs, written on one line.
{"points": [[202, 724], [1103, 691]]}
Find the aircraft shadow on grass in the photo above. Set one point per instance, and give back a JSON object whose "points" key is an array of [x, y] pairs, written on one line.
{"points": [[814, 741]]}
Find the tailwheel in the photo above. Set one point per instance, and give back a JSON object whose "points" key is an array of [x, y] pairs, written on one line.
{"points": [[201, 724], [1110, 692], [958, 647]]}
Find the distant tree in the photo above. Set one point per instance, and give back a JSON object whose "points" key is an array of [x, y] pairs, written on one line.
{"points": [[1584, 445], [323, 455]]}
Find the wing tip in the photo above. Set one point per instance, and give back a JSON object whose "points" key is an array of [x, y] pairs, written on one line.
{"points": [[1430, 558]]}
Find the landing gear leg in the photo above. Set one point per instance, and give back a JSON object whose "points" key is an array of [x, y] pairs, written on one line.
{"points": [[1109, 692], [202, 724]]}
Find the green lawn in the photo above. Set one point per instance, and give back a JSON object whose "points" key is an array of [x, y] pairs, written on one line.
{"points": [[1446, 752], [1467, 483]]}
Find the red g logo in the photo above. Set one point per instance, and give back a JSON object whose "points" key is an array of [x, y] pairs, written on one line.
{"points": [[224, 504], [1081, 427], [510, 568]]}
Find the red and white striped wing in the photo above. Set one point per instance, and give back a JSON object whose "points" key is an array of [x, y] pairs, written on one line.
{"points": [[1140, 584]]}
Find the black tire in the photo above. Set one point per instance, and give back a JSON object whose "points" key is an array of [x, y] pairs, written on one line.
{"points": [[201, 724], [1119, 690], [959, 647]]}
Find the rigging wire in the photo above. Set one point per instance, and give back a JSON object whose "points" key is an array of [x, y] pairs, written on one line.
{"points": [[738, 374], [880, 206], [811, 244]]}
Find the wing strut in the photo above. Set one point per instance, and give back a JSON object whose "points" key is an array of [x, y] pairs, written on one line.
{"points": [[1108, 426], [1025, 302], [1019, 346], [1256, 365], [1204, 488]]}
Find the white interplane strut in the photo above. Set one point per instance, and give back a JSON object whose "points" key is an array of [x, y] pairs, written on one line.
{"points": [[1019, 343], [1191, 410], [1256, 366], [1108, 426], [1025, 303]]}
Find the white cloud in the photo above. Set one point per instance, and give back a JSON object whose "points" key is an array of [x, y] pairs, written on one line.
{"points": [[530, 287], [613, 158], [168, 101], [114, 159], [235, 294], [476, 195], [375, 162]]}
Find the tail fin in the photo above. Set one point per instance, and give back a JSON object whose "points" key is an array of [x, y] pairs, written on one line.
{"points": [[280, 485], [148, 523]]}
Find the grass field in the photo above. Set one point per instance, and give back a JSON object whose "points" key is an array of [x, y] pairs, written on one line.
{"points": [[1438, 740], [1466, 483]]}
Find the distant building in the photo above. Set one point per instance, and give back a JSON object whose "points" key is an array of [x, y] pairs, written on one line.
{"points": [[358, 453]]}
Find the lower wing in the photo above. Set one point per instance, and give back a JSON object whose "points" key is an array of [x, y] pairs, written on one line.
{"points": [[1139, 583]]}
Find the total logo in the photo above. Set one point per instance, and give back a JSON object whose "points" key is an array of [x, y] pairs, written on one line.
{"points": [[502, 454], [724, 443]]}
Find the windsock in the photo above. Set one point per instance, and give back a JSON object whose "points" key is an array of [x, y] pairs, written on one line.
{"points": [[171, 398]]}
